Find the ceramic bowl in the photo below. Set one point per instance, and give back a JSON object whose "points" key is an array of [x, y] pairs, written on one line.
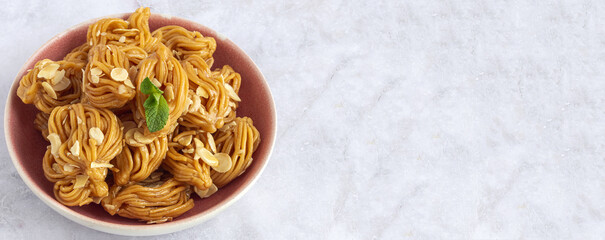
{"points": [[26, 145]]}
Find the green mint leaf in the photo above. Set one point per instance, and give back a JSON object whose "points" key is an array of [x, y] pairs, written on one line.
{"points": [[152, 101], [156, 107], [157, 115], [148, 88]]}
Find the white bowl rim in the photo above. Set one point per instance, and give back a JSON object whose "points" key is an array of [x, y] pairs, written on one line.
{"points": [[131, 230]]}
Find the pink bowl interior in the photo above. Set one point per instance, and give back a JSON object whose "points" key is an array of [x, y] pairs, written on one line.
{"points": [[28, 145]]}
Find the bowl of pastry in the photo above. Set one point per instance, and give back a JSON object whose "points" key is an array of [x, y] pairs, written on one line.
{"points": [[139, 124]]}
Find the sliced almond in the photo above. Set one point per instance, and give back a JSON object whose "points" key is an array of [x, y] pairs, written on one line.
{"points": [[188, 103], [110, 207], [119, 74], [200, 91], [49, 90], [94, 79], [56, 167], [122, 39], [228, 126], [186, 140], [128, 83], [144, 139], [96, 134], [156, 82], [211, 190], [48, 71], [200, 193], [129, 125], [211, 142], [97, 200], [68, 167], [122, 89], [75, 149], [198, 144], [96, 71], [100, 165], [103, 34], [206, 156], [232, 93], [188, 150], [58, 77], [132, 72], [80, 181], [197, 103], [62, 85], [79, 120], [224, 162], [169, 92], [55, 143], [98, 33], [43, 62], [129, 137]]}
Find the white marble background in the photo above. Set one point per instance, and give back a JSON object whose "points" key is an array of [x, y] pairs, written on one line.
{"points": [[396, 119]]}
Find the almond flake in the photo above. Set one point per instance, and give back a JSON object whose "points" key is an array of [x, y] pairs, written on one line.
{"points": [[224, 162], [48, 71], [55, 143], [188, 150], [103, 33], [205, 155], [100, 165], [58, 77], [129, 125], [169, 92], [144, 139], [232, 93], [79, 120], [56, 167], [94, 79], [49, 90], [132, 72], [97, 200], [207, 192], [69, 167], [211, 142], [197, 103], [122, 89], [80, 181], [186, 140], [122, 39], [98, 33], [75, 149], [62, 85], [119, 74], [200, 193], [43, 62], [96, 134], [128, 83], [96, 71]]}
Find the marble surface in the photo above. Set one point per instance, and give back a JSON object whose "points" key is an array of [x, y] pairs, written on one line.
{"points": [[396, 119]]}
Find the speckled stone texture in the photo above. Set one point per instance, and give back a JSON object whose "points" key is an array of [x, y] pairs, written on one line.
{"points": [[396, 119]]}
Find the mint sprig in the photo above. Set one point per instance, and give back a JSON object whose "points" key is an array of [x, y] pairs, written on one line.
{"points": [[156, 106]]}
